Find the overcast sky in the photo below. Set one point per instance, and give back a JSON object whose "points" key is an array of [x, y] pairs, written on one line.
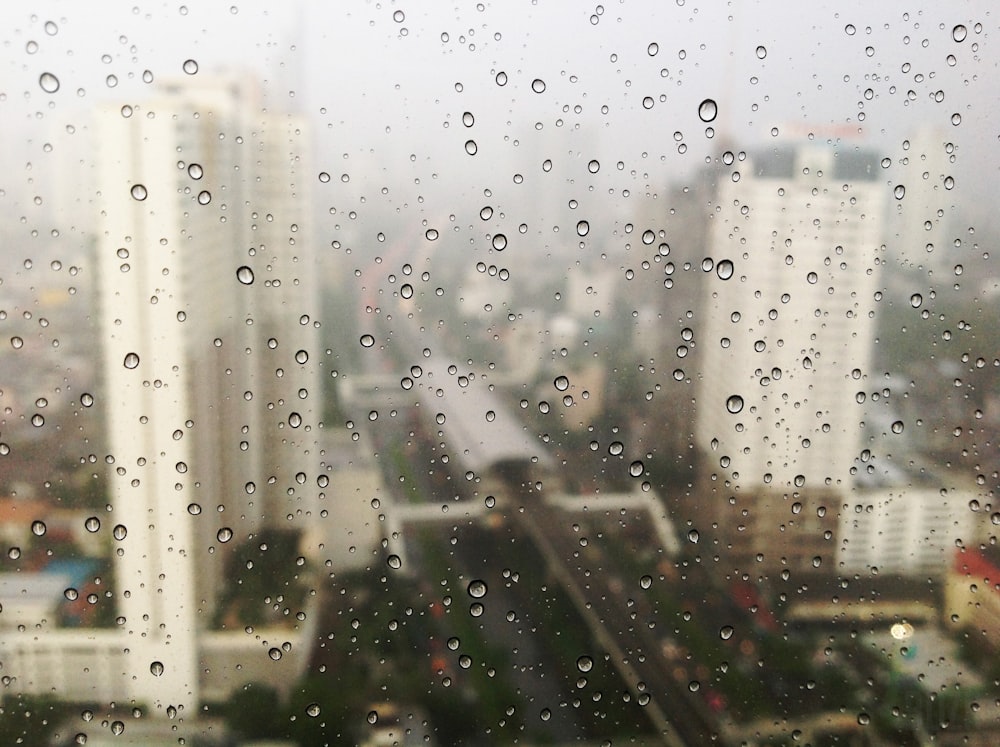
{"points": [[384, 81]]}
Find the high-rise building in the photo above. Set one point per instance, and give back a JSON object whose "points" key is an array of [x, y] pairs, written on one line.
{"points": [[787, 327], [208, 313]]}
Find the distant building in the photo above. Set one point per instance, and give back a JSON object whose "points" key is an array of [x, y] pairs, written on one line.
{"points": [[787, 329], [972, 594], [207, 315], [903, 521]]}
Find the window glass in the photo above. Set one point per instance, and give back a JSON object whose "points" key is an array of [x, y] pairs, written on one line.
{"points": [[394, 373]]}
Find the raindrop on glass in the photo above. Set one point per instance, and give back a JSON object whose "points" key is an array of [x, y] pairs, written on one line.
{"points": [[131, 361], [734, 404], [582, 228], [499, 242], [394, 562], [156, 668], [707, 110], [477, 589], [190, 67], [48, 82], [959, 33], [139, 192], [470, 147], [245, 275], [538, 85]]}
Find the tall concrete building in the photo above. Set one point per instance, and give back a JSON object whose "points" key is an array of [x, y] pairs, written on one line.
{"points": [[787, 327], [208, 312]]}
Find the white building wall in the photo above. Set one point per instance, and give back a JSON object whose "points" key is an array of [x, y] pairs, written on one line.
{"points": [[791, 324]]}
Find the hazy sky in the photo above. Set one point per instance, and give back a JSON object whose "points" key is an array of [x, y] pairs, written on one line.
{"points": [[385, 81]]}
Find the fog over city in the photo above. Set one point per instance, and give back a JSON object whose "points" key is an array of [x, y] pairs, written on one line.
{"points": [[492, 373]]}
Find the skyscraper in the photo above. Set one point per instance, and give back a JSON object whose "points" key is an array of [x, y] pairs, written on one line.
{"points": [[786, 335], [207, 311]]}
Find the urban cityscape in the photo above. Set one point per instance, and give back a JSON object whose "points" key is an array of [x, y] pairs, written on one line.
{"points": [[512, 396]]}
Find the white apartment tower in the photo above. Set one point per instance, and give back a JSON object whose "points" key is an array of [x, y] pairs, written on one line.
{"points": [[207, 310], [787, 321]]}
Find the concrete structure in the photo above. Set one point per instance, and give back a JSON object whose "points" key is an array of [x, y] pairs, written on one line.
{"points": [[207, 311], [903, 521], [787, 325]]}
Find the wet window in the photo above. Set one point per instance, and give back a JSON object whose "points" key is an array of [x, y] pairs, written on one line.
{"points": [[534, 373]]}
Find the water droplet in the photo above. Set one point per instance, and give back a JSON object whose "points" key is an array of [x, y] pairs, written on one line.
{"points": [[294, 419], [849, 29], [647, 102], [38, 528], [394, 562], [864, 719], [477, 589], [204, 197], [561, 383], [117, 728], [31, 47], [693, 536], [156, 668], [582, 228], [37, 420], [48, 82], [470, 147], [274, 653], [313, 710], [16, 342], [501, 78], [147, 76], [724, 269], [398, 16], [959, 33], [190, 67], [726, 632], [761, 52], [224, 534], [50, 28], [708, 110], [301, 356], [585, 663], [636, 468], [594, 166], [615, 448], [367, 341], [406, 290], [538, 85], [499, 242], [131, 361], [476, 609], [119, 532], [15, 552], [899, 192], [87, 399], [467, 119], [916, 300], [139, 192], [652, 49], [372, 717], [734, 404], [194, 509], [92, 524], [245, 275], [465, 661], [431, 234], [897, 426], [545, 714], [646, 581]]}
